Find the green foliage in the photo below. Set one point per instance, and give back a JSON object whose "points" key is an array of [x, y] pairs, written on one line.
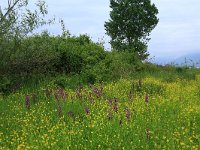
{"points": [[44, 53], [16, 23], [153, 88], [130, 25], [5, 84], [77, 54], [9, 84], [16, 20], [68, 82], [36, 54], [113, 67]]}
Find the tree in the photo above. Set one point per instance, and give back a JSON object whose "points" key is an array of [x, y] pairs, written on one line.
{"points": [[16, 18], [130, 24], [16, 22]]}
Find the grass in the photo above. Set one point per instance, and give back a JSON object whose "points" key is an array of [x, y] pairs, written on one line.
{"points": [[150, 113]]}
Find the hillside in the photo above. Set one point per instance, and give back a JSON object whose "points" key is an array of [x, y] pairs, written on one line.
{"points": [[150, 113]]}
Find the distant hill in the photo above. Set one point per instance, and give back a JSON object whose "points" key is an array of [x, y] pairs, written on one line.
{"points": [[188, 60]]}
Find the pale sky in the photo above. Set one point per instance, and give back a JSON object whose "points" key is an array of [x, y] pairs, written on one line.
{"points": [[177, 33]]}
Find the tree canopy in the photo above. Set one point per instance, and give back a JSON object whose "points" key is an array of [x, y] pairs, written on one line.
{"points": [[16, 22], [130, 24]]}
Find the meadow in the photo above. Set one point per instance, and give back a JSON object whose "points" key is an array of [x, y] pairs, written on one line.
{"points": [[68, 92], [131, 113]]}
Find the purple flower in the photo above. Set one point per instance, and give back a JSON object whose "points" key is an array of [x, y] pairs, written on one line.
{"points": [[90, 98], [146, 98], [27, 102], [62, 93], [98, 91], [78, 93], [115, 107], [87, 111], [130, 95], [148, 134], [56, 97]]}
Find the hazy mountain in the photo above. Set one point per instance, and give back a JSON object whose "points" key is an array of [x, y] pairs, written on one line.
{"points": [[189, 60]]}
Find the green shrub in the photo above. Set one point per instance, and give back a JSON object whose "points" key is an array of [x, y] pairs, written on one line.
{"points": [[44, 53], [68, 82], [5, 85]]}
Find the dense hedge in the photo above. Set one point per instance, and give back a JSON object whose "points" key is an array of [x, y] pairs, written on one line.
{"points": [[45, 53]]}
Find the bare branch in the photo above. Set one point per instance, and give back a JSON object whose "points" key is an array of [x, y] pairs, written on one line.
{"points": [[10, 8], [9, 3]]}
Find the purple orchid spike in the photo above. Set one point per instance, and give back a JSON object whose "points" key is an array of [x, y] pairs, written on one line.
{"points": [[62, 93], [146, 98], [91, 98], [78, 93], [56, 97], [87, 110], [148, 134], [27, 102], [130, 95], [115, 107]]}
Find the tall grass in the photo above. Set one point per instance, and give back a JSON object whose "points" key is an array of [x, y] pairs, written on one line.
{"points": [[145, 113]]}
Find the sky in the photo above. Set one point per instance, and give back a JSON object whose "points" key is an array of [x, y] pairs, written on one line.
{"points": [[177, 33]]}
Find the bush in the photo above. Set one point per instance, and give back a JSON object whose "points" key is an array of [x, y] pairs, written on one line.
{"points": [[114, 66], [44, 53], [69, 82], [5, 85]]}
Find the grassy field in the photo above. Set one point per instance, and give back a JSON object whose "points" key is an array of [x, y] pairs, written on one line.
{"points": [[147, 113]]}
